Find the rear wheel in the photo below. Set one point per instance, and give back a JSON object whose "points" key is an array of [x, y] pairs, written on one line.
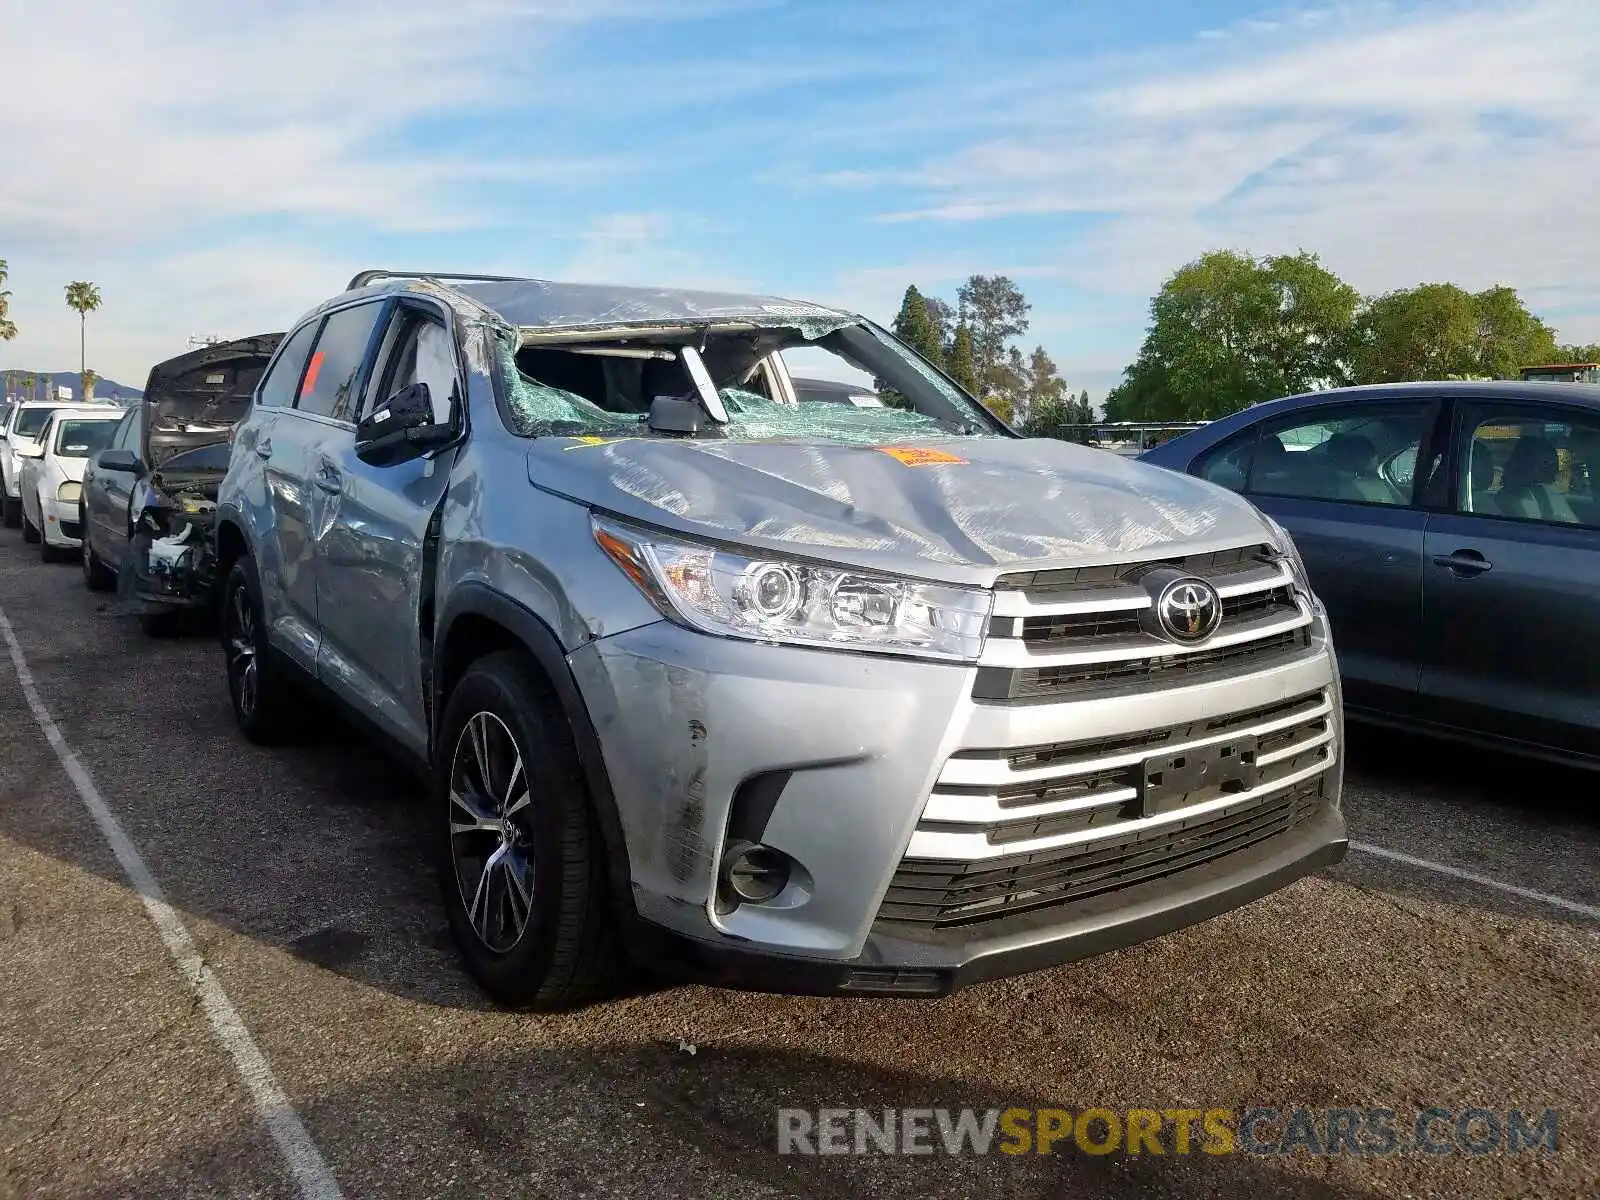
{"points": [[521, 859], [97, 577], [258, 680]]}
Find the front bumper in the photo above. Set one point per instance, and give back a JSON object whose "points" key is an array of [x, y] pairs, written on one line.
{"points": [[843, 762], [897, 966], [60, 524]]}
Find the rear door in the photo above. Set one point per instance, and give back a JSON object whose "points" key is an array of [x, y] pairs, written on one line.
{"points": [[305, 502], [1511, 631], [1342, 479], [270, 498]]}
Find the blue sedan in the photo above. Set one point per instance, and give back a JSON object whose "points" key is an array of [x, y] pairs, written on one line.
{"points": [[1453, 531]]}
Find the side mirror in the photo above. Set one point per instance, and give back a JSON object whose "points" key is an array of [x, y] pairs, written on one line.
{"points": [[30, 452], [401, 428], [119, 460]]}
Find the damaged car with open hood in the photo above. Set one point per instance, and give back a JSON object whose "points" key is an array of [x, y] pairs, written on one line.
{"points": [[796, 697], [148, 498]]}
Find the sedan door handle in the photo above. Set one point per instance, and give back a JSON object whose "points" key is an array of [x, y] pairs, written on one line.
{"points": [[264, 447], [329, 480], [1464, 562]]}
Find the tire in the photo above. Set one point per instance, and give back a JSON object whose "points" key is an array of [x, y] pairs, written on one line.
{"points": [[97, 577], [258, 680], [12, 513], [567, 951], [29, 533]]}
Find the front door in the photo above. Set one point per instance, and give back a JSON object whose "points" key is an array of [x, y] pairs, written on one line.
{"points": [[370, 569], [1342, 481], [1511, 602], [107, 495]]}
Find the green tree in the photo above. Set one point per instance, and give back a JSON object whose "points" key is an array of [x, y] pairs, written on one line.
{"points": [[1441, 331], [1043, 384], [994, 311], [913, 326], [83, 298], [942, 318], [1085, 412], [961, 367], [1576, 353], [8, 327], [1229, 330]]}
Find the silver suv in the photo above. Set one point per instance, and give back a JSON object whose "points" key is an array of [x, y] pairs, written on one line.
{"points": [[786, 696]]}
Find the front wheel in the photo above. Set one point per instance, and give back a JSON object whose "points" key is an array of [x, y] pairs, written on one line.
{"points": [[257, 679], [521, 858], [12, 513], [29, 533], [97, 577]]}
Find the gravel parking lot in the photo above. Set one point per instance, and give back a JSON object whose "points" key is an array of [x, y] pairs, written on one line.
{"points": [[301, 877]]}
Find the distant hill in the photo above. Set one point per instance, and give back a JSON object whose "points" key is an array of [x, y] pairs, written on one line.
{"points": [[104, 389]]}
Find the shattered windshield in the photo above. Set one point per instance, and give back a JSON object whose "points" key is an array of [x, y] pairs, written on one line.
{"points": [[606, 387]]}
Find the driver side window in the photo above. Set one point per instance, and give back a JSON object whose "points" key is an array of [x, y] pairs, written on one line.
{"points": [[423, 352], [1355, 453]]}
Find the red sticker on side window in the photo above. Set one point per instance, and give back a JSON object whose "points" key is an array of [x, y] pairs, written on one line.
{"points": [[311, 374]]}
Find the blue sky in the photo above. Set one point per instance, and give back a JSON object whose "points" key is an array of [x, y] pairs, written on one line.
{"points": [[219, 172]]}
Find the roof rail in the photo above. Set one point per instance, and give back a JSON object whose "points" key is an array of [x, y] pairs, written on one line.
{"points": [[366, 277]]}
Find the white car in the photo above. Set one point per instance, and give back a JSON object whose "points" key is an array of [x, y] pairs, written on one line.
{"points": [[18, 435], [51, 481]]}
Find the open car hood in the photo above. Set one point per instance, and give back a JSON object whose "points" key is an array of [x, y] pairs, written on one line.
{"points": [[962, 510], [197, 398]]}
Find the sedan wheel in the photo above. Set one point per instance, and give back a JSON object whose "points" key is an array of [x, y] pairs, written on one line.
{"points": [[491, 835]]}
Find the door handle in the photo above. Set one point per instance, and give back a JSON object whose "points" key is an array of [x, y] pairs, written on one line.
{"points": [[264, 447], [1464, 562], [329, 480]]}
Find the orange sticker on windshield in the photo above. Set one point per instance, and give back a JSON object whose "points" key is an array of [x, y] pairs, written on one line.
{"points": [[917, 456], [311, 374]]}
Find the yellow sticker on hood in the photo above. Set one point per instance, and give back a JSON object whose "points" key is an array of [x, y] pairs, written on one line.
{"points": [[917, 456]]}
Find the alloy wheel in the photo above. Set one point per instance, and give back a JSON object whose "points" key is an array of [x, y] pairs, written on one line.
{"points": [[241, 649], [491, 841]]}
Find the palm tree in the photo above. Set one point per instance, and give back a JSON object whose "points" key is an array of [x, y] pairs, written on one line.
{"points": [[83, 298], [90, 378], [8, 327]]}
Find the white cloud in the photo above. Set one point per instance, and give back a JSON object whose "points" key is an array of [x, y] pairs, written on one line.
{"points": [[1460, 141]]}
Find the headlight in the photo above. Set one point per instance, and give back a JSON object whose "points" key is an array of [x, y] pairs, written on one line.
{"points": [[1291, 555], [776, 600], [69, 492]]}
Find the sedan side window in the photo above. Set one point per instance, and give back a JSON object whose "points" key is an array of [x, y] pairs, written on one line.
{"points": [[1356, 453], [1530, 464], [332, 375]]}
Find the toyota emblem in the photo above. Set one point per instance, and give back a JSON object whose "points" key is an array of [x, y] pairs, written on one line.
{"points": [[1188, 610]]}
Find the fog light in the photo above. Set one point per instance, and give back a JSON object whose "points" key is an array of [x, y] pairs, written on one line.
{"points": [[755, 874]]}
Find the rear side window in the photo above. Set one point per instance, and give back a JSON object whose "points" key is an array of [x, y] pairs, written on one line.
{"points": [[277, 391], [30, 421], [1528, 463], [329, 387]]}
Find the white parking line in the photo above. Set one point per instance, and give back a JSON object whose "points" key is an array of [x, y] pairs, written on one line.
{"points": [[1587, 910], [311, 1173]]}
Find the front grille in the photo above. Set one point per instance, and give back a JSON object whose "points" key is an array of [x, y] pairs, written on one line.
{"points": [[1217, 567], [948, 893], [1033, 683], [71, 529], [1077, 628]]}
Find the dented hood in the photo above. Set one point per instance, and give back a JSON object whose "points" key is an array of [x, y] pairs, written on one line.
{"points": [[962, 510]]}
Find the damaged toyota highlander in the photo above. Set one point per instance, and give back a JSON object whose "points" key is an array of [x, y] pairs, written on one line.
{"points": [[782, 696]]}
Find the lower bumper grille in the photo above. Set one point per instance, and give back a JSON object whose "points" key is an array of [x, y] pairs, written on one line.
{"points": [[71, 529], [945, 894]]}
